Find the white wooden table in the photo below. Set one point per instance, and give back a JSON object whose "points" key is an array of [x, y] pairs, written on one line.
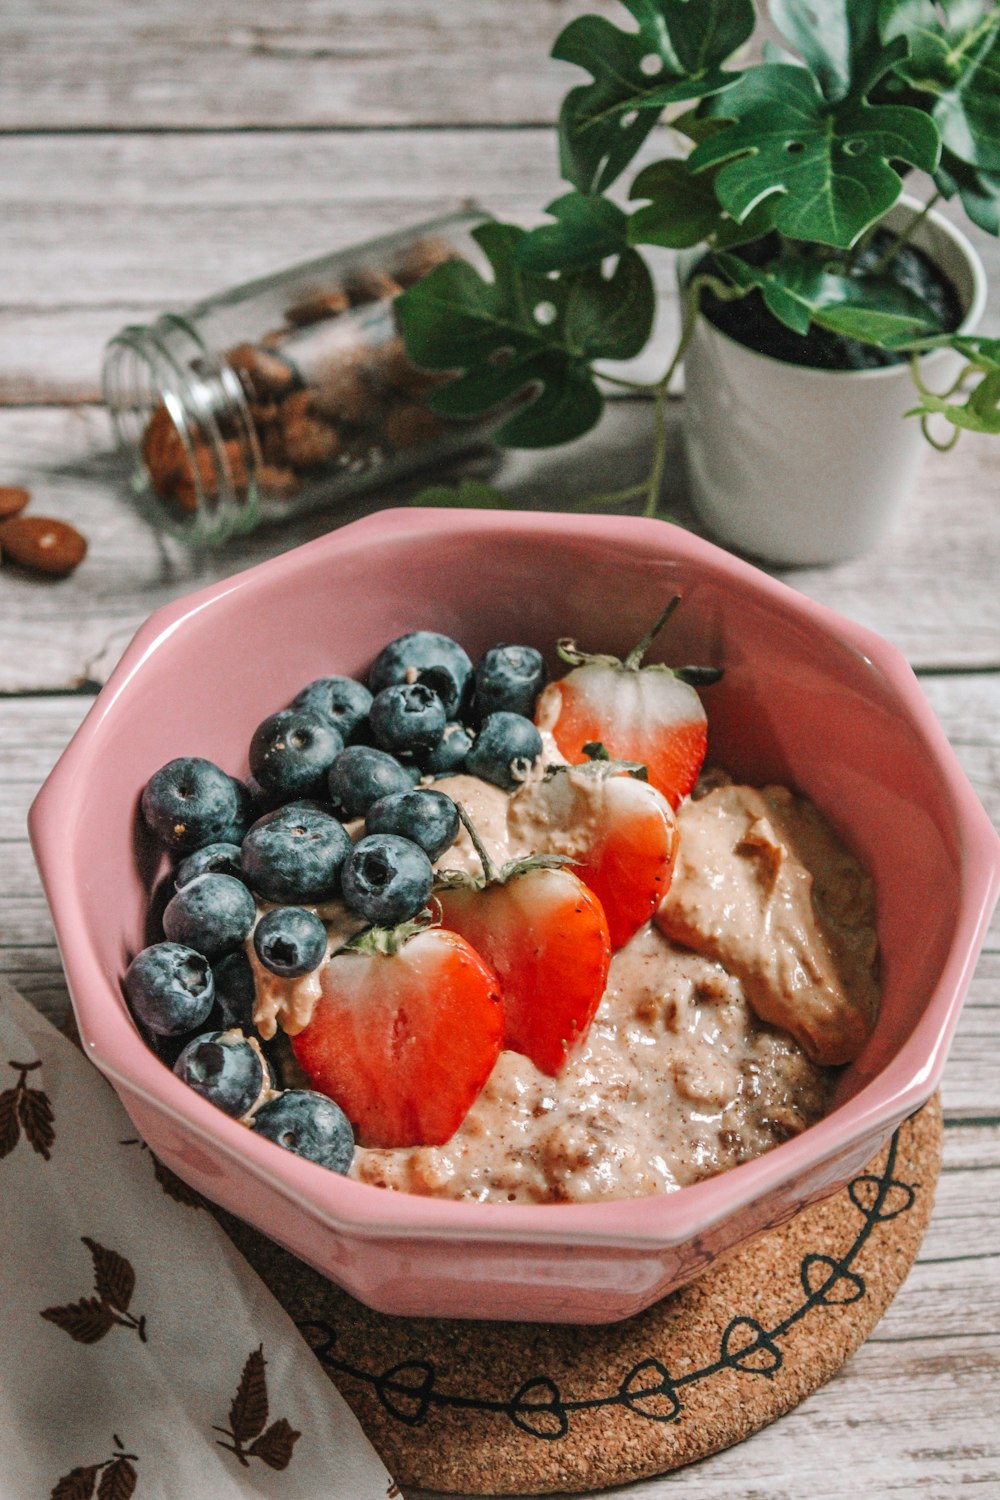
{"points": [[150, 156]]}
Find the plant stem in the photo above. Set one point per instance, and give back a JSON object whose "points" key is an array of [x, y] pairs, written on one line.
{"points": [[886, 259], [660, 391]]}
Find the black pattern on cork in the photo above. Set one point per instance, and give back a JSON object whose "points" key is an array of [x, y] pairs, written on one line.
{"points": [[409, 1390]]}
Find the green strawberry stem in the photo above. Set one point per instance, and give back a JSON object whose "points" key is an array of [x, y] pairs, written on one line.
{"points": [[570, 653], [388, 940], [491, 875]]}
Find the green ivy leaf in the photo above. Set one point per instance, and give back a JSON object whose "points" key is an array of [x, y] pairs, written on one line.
{"points": [[524, 338], [873, 309], [954, 56], [675, 55], [829, 163], [586, 231]]}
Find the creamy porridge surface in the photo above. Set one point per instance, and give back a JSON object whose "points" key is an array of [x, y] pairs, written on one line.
{"points": [[716, 1030]]}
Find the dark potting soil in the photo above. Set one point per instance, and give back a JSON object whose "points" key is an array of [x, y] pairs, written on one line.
{"points": [[748, 321]]}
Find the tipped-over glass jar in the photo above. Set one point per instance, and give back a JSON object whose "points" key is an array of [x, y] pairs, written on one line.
{"points": [[287, 393]]}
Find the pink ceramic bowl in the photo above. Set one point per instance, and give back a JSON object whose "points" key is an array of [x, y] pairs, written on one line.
{"points": [[807, 698]]}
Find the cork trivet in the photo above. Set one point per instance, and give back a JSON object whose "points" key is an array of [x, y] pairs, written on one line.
{"points": [[528, 1408]]}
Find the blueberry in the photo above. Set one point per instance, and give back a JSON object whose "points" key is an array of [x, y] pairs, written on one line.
{"points": [[246, 812], [425, 656], [309, 1124], [169, 988], [387, 879], [408, 717], [509, 679], [235, 991], [292, 751], [290, 941], [427, 817], [341, 700], [506, 744], [212, 913], [294, 854], [361, 775], [448, 755], [190, 802], [212, 859], [224, 1069]]}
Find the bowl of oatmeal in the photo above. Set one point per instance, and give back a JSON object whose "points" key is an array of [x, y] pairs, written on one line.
{"points": [[744, 1060]]}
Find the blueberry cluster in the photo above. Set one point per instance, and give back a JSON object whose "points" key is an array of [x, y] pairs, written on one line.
{"points": [[341, 751]]}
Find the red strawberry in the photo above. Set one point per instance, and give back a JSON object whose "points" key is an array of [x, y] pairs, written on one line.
{"points": [[650, 714], [546, 936], [620, 832], [404, 1036]]}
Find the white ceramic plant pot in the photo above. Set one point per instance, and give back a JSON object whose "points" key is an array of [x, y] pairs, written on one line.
{"points": [[797, 465]]}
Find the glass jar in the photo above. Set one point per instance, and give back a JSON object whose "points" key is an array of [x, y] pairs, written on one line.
{"points": [[286, 393]]}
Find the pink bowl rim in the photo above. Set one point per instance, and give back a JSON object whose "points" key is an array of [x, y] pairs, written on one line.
{"points": [[650, 1223]]}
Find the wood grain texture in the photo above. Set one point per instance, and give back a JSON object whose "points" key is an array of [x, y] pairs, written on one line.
{"points": [[151, 156]]}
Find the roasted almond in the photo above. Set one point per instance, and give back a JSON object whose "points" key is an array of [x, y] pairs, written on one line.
{"points": [[13, 499], [42, 544]]}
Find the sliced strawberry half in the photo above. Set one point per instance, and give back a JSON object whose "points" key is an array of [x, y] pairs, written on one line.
{"points": [[404, 1037], [545, 935], [620, 832], [650, 714]]}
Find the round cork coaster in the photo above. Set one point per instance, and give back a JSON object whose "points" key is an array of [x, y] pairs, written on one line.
{"points": [[527, 1408]]}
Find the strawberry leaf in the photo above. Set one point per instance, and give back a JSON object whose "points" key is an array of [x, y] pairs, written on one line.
{"points": [[248, 1412], [828, 163], [676, 54], [274, 1447], [524, 339], [85, 1321], [114, 1278]]}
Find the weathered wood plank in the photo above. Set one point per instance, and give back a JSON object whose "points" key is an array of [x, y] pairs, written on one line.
{"points": [[307, 62]]}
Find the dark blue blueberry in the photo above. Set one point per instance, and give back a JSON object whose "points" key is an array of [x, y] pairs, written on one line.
{"points": [[386, 879], [448, 755], [224, 1069], [427, 817], [169, 988], [506, 746], [190, 802], [247, 812], [309, 1124], [341, 700], [291, 753], [212, 859], [294, 854], [290, 941], [408, 718], [212, 913], [361, 775], [425, 656], [235, 991], [508, 679]]}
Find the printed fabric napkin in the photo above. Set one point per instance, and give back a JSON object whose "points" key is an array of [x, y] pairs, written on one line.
{"points": [[140, 1355]]}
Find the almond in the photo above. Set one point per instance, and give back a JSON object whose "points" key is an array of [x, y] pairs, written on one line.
{"points": [[12, 499], [42, 544]]}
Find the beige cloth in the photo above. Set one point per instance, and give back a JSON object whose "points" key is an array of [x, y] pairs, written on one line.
{"points": [[140, 1354]]}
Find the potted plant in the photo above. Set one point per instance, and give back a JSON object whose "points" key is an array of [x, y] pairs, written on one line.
{"points": [[819, 303]]}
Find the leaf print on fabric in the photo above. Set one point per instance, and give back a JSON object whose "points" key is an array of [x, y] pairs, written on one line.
{"points": [[251, 1438], [91, 1318], [118, 1478], [175, 1187], [27, 1109]]}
